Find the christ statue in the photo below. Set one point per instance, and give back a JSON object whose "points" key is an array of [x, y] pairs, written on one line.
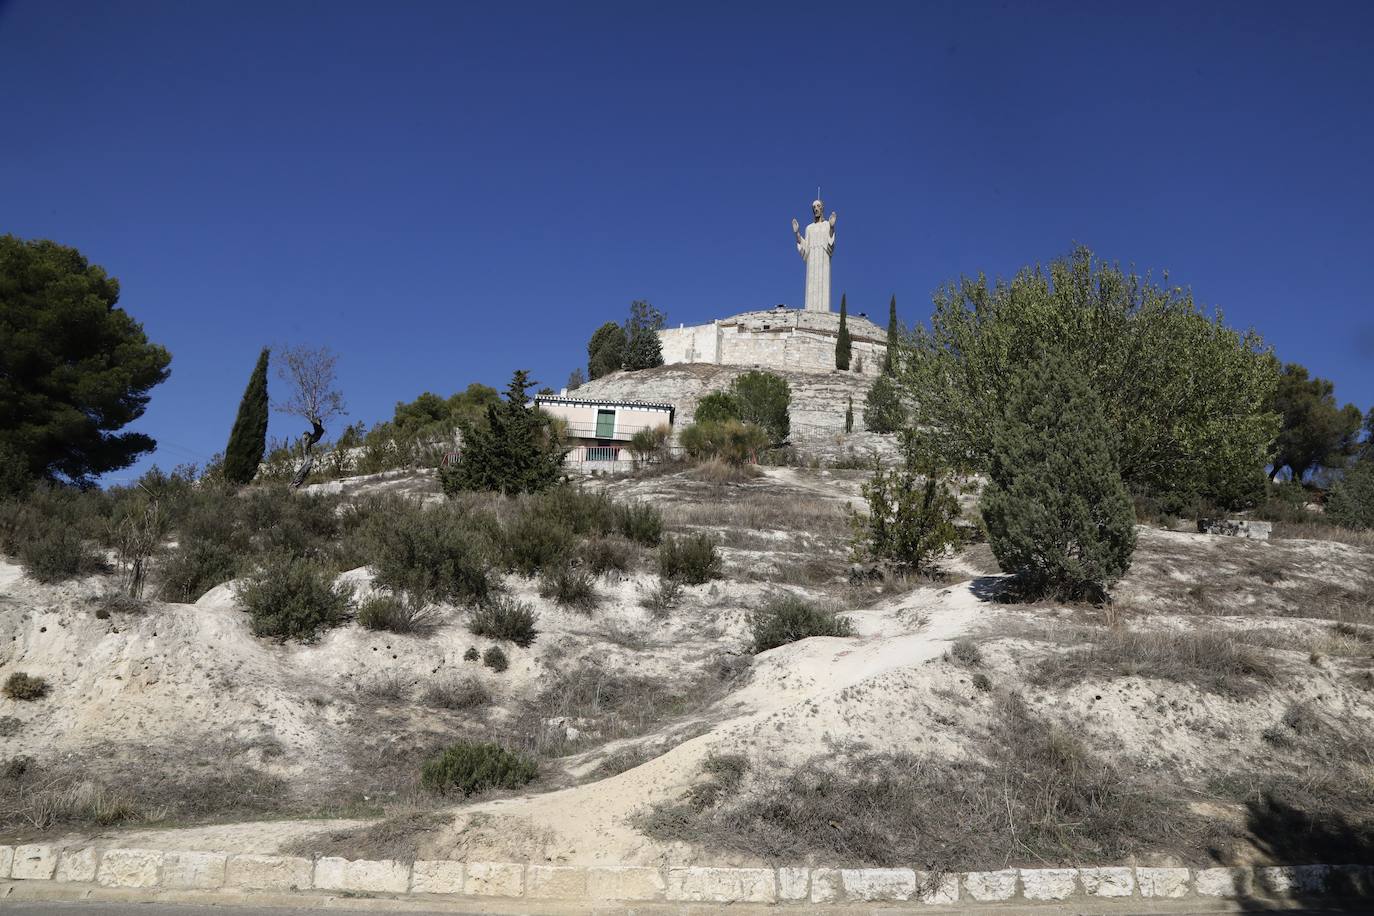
{"points": [[816, 248]]}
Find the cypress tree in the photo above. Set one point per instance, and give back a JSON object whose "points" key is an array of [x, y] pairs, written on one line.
{"points": [[842, 346], [893, 333], [248, 438], [517, 449], [849, 415]]}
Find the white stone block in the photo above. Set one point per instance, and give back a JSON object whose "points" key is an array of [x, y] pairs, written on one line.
{"points": [[625, 882], [277, 873], [1289, 880], [129, 867], [78, 864], [1107, 882], [1049, 883], [991, 885], [937, 888], [34, 862], [384, 876], [870, 884], [722, 885], [794, 883], [6, 860], [825, 885], [196, 870], [1163, 882], [1222, 882], [556, 882], [436, 876], [494, 879]]}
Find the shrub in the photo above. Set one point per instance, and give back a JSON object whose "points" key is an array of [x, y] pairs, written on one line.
{"points": [[495, 659], [663, 597], [437, 554], [1351, 503], [22, 686], [471, 655], [503, 617], [569, 587], [762, 400], [1056, 511], [647, 444], [471, 767], [691, 559], [787, 618], [639, 522], [291, 598], [56, 554], [579, 511], [731, 441], [966, 652], [195, 567], [1214, 662], [531, 543], [716, 407], [603, 555], [396, 614], [457, 693], [884, 411], [911, 509]]}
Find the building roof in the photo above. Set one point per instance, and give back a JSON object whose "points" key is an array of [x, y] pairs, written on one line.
{"points": [[599, 402]]}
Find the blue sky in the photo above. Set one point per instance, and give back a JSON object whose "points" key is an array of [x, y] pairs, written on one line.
{"points": [[444, 192]]}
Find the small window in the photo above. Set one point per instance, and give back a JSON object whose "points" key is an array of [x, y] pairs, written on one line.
{"points": [[605, 424]]}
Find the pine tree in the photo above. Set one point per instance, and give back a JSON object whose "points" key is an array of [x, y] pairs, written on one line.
{"points": [[606, 350], [849, 415], [884, 411], [842, 344], [894, 334], [248, 438], [516, 450], [642, 347], [1056, 510]]}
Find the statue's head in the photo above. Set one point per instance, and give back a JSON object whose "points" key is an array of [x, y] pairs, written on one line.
{"points": [[817, 208]]}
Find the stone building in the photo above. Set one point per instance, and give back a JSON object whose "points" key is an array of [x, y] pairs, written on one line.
{"points": [[599, 429], [778, 338]]}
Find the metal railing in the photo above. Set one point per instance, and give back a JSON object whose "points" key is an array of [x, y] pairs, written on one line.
{"points": [[589, 431]]}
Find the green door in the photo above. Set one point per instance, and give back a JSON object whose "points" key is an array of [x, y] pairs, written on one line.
{"points": [[605, 424]]}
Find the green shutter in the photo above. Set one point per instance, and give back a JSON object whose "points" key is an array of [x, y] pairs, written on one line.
{"points": [[605, 424]]}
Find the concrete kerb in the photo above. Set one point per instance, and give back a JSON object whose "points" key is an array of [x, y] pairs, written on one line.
{"points": [[190, 871]]}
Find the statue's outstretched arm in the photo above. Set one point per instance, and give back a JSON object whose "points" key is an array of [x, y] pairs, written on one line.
{"points": [[801, 242]]}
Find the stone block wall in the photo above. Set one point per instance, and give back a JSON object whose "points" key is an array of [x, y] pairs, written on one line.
{"points": [[785, 339]]}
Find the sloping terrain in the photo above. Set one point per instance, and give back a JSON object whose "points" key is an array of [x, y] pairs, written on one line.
{"points": [[1221, 704]]}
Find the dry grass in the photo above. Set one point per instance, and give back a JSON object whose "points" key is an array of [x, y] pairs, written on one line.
{"points": [[718, 471], [1317, 530], [1212, 661], [397, 836]]}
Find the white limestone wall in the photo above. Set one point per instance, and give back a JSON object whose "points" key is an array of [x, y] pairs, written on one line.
{"points": [[776, 339], [698, 343]]}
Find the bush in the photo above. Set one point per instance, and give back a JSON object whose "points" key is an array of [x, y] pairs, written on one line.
{"points": [[396, 614], [691, 559], [471, 655], [716, 407], [470, 768], [495, 659], [603, 555], [884, 411], [502, 617], [663, 597], [516, 450], [437, 554], [966, 652], [579, 511], [21, 686], [911, 510], [569, 587], [531, 543], [291, 598], [1056, 511], [762, 399], [787, 618], [639, 522], [1351, 503], [57, 554], [647, 444], [457, 693], [731, 441]]}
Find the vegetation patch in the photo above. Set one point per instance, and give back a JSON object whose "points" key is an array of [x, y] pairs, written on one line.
{"points": [[471, 768], [292, 598], [503, 617], [691, 559], [23, 686], [1212, 661], [788, 618], [396, 614], [457, 693]]}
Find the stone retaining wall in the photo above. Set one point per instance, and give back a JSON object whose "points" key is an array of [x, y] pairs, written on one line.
{"points": [[206, 871]]}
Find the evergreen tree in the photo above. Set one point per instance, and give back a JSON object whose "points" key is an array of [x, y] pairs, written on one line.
{"points": [[842, 344], [894, 334], [883, 408], [1315, 431], [642, 347], [516, 450], [1351, 502], [606, 350], [248, 438], [763, 399], [576, 379], [911, 509], [849, 415], [1056, 510]]}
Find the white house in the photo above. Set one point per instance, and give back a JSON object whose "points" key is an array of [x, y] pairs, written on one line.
{"points": [[600, 430]]}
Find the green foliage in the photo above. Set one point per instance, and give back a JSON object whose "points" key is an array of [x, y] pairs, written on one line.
{"points": [[503, 617], [787, 618], [716, 407], [437, 554], [894, 337], [1315, 431], [849, 415], [15, 479], [569, 586], [732, 441], [293, 598], [763, 399], [884, 411], [74, 369], [691, 559], [516, 451], [471, 655], [1056, 511], [642, 349], [434, 417], [495, 659], [639, 522], [1351, 501], [248, 438], [606, 350], [647, 444], [469, 767], [395, 614], [911, 509], [601, 555], [22, 686], [843, 345], [1186, 399], [56, 554], [530, 543]]}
